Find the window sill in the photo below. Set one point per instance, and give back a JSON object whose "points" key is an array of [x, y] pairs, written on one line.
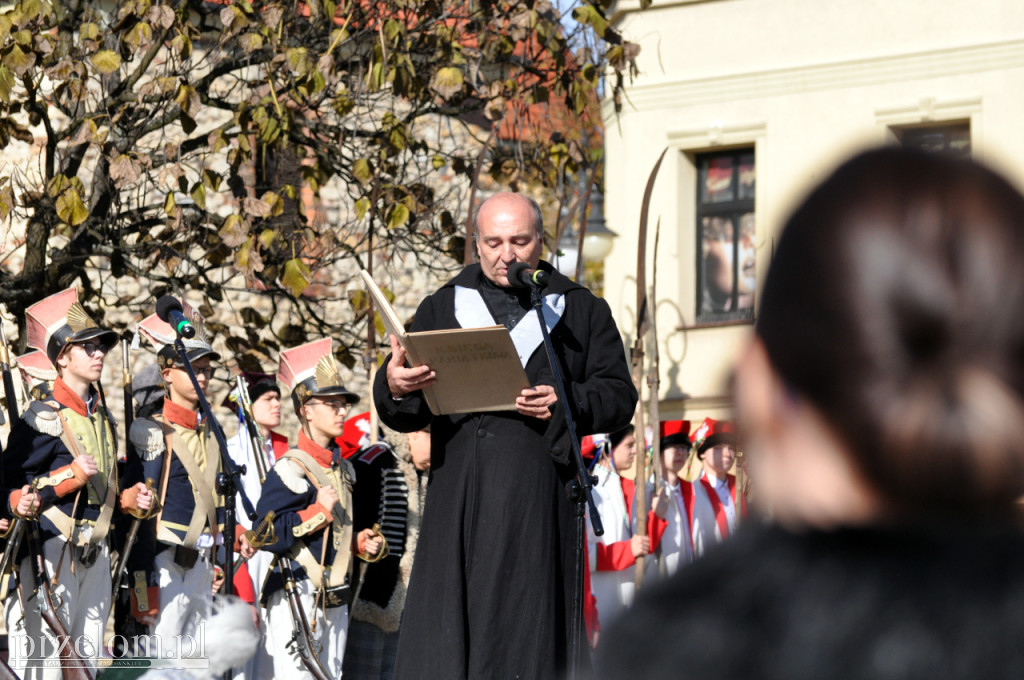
{"points": [[716, 324]]}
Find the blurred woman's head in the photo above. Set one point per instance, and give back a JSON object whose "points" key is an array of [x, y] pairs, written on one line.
{"points": [[890, 339], [622, 448]]}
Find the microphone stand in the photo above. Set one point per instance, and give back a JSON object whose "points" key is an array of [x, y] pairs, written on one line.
{"points": [[580, 493], [228, 481]]}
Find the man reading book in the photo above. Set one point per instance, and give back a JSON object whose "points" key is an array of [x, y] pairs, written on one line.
{"points": [[491, 586]]}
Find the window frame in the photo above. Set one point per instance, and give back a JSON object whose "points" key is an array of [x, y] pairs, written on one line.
{"points": [[910, 136], [733, 209]]}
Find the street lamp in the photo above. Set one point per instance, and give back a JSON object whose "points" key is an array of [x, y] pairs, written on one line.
{"points": [[598, 239], [567, 253]]}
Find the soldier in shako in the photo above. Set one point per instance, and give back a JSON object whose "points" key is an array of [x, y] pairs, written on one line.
{"points": [[38, 375], [66, 447], [172, 589], [310, 490]]}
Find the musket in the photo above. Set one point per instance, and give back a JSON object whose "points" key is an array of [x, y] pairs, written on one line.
{"points": [[133, 532], [126, 381], [10, 396], [14, 534], [642, 320], [17, 526], [139, 516], [251, 428], [6, 672], [302, 637], [71, 665]]}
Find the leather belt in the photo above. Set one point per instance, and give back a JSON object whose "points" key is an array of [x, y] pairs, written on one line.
{"points": [[186, 558]]}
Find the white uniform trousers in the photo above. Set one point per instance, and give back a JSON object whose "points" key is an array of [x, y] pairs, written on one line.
{"points": [[260, 666], [14, 616], [83, 596], [186, 596], [330, 634]]}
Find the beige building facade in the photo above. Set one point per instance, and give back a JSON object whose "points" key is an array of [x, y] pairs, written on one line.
{"points": [[755, 100]]}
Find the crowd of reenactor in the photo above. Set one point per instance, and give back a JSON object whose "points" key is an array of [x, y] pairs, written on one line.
{"points": [[133, 517], [695, 501], [136, 517]]}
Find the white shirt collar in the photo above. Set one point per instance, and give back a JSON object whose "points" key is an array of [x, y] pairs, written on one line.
{"points": [[715, 480]]}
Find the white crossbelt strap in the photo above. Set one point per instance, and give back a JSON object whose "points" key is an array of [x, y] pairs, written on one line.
{"points": [[341, 524], [204, 482], [65, 524]]}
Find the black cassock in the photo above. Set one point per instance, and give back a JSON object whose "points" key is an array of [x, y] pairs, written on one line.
{"points": [[491, 584]]}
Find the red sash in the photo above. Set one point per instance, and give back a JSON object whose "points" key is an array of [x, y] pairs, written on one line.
{"points": [[628, 496], [280, 444], [716, 503], [689, 498]]}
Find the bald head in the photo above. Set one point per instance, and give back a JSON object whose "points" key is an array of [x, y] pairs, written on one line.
{"points": [[525, 208], [509, 229]]}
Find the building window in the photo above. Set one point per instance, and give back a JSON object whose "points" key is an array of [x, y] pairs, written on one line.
{"points": [[953, 139], [725, 250]]}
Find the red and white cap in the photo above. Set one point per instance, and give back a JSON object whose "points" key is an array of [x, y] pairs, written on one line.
{"points": [[310, 370], [356, 434], [675, 433], [591, 445], [59, 320], [160, 333], [712, 433]]}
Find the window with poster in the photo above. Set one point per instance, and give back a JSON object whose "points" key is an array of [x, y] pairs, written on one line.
{"points": [[726, 279], [952, 139]]}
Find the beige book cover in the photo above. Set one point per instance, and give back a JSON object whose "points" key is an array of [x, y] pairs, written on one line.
{"points": [[477, 369]]}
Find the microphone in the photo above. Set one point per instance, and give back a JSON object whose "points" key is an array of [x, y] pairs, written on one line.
{"points": [[521, 276], [170, 311]]}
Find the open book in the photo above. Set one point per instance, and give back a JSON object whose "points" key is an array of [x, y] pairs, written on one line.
{"points": [[477, 369]]}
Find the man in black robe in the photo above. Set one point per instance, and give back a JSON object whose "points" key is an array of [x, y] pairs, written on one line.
{"points": [[491, 586]]}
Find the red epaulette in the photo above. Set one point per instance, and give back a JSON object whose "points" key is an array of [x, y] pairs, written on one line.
{"points": [[370, 453]]}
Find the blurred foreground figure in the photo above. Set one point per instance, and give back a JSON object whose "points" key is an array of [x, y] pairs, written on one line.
{"points": [[881, 403]]}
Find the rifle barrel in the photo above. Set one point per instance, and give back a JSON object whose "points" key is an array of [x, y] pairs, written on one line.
{"points": [[72, 665], [126, 375], [10, 396], [301, 624]]}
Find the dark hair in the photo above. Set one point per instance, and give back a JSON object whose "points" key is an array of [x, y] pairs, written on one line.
{"points": [[893, 304], [616, 437]]}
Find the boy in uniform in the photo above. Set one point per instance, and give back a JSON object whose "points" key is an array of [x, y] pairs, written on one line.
{"points": [[310, 490], [172, 570]]}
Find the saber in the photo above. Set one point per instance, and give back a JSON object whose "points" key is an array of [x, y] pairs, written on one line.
{"points": [[262, 535]]}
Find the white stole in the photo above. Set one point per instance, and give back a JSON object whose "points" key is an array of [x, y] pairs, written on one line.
{"points": [[471, 312]]}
